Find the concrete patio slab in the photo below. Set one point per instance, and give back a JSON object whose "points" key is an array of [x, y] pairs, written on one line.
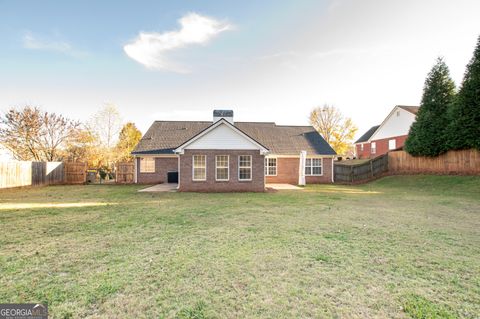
{"points": [[283, 187], [160, 188]]}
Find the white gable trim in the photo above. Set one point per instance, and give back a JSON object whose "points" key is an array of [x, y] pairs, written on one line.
{"points": [[385, 121], [181, 148]]}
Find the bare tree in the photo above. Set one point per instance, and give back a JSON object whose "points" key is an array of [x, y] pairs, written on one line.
{"points": [[56, 131], [31, 134], [106, 124], [335, 128]]}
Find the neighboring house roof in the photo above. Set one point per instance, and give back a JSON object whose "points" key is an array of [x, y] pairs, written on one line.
{"points": [[411, 109], [163, 137], [366, 136]]}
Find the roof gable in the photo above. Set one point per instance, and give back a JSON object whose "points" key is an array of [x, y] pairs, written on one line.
{"points": [[222, 135], [409, 108], [397, 123]]}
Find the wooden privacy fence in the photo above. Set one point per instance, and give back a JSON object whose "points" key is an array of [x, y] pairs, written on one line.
{"points": [[361, 172], [47, 173], [75, 172], [124, 172], [464, 162], [25, 173]]}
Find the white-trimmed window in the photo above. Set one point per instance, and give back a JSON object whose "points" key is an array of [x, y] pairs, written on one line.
{"points": [[199, 167], [361, 147], [270, 166], [147, 165], [313, 167], [392, 144], [222, 168], [373, 148], [245, 167]]}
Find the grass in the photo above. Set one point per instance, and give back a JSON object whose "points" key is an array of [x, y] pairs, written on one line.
{"points": [[419, 307], [399, 247]]}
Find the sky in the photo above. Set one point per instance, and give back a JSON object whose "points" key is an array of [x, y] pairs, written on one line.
{"points": [[266, 60]]}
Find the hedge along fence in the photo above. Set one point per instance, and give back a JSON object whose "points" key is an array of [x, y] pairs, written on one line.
{"points": [[361, 172], [25, 173], [463, 162]]}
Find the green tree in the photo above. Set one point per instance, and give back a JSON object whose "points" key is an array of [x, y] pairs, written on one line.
{"points": [[428, 134], [464, 130], [128, 138]]}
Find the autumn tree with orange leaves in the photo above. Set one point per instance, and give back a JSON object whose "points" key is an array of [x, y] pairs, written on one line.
{"points": [[334, 127]]}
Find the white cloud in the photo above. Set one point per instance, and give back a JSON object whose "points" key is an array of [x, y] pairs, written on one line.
{"points": [[150, 48], [33, 42]]}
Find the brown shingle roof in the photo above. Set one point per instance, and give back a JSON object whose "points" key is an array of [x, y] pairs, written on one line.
{"points": [[164, 136]]}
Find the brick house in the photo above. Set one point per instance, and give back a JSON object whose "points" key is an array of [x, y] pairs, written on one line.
{"points": [[389, 135], [227, 156]]}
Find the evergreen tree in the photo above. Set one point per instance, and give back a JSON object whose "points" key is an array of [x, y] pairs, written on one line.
{"points": [[464, 130], [428, 134]]}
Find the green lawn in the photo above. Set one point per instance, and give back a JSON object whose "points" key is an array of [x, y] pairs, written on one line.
{"points": [[399, 247]]}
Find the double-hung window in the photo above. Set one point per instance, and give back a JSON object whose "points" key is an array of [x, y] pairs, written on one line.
{"points": [[313, 166], [245, 168], [221, 167], [392, 144], [147, 165], [199, 167], [373, 148], [270, 166]]}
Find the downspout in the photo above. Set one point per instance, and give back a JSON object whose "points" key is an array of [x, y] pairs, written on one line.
{"points": [[178, 185], [333, 173], [135, 168], [301, 168]]}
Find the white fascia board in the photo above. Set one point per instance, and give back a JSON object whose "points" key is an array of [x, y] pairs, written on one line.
{"points": [[298, 156], [157, 155]]}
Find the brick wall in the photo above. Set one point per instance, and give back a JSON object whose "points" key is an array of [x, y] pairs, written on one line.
{"points": [[382, 147], [257, 184], [366, 150], [163, 165], [327, 173], [287, 172]]}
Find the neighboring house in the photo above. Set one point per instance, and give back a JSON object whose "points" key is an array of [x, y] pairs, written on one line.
{"points": [[389, 135], [224, 155]]}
